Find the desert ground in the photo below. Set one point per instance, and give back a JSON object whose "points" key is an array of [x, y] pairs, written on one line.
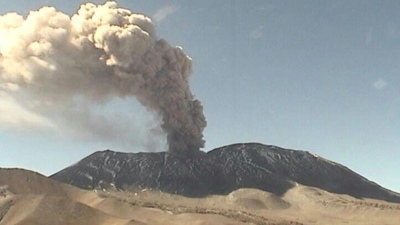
{"points": [[28, 198]]}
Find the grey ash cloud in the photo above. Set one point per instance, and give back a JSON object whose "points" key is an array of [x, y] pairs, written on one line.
{"points": [[54, 67]]}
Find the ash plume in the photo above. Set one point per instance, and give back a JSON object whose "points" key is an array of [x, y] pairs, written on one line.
{"points": [[57, 66]]}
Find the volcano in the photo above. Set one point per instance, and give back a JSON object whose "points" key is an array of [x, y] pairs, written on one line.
{"points": [[220, 171]]}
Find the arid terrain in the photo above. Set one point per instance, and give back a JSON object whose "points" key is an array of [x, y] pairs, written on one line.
{"points": [[28, 198]]}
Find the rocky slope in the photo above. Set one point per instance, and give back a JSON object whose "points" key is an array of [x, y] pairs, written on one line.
{"points": [[220, 171]]}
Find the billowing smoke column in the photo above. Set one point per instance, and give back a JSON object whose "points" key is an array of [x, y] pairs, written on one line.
{"points": [[51, 60]]}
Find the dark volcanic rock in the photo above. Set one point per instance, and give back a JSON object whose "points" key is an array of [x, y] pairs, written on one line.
{"points": [[220, 171]]}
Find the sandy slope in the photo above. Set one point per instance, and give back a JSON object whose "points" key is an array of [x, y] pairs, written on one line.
{"points": [[320, 207], [30, 198], [300, 205]]}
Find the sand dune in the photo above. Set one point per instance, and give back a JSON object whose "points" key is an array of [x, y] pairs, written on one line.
{"points": [[19, 181], [43, 210], [256, 199], [315, 206], [300, 205], [28, 198]]}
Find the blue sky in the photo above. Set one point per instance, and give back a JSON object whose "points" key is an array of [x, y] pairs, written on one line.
{"points": [[308, 75]]}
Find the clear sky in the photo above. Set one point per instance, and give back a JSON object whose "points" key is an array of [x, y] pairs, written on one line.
{"points": [[309, 75]]}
